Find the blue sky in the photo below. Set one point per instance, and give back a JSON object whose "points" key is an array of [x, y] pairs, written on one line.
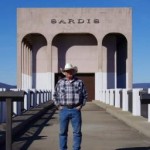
{"points": [[141, 32]]}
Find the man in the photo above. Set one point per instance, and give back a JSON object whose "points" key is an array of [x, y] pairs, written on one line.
{"points": [[70, 96]]}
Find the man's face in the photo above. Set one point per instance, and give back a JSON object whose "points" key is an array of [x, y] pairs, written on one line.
{"points": [[69, 73]]}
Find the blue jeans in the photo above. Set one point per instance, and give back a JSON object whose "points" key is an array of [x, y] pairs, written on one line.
{"points": [[66, 115]]}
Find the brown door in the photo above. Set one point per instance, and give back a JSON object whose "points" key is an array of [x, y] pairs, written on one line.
{"points": [[89, 81]]}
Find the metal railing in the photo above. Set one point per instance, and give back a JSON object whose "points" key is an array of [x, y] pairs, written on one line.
{"points": [[9, 97], [32, 98], [15, 102]]}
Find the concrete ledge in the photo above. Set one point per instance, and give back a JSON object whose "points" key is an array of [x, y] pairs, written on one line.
{"points": [[19, 123], [137, 122]]}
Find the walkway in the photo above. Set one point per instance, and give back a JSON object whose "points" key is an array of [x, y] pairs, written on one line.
{"points": [[101, 131]]}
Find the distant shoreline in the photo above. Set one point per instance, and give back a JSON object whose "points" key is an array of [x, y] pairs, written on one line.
{"points": [[135, 85], [7, 86]]}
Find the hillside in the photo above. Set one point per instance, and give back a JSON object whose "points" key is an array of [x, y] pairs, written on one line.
{"points": [[141, 85], [7, 86]]}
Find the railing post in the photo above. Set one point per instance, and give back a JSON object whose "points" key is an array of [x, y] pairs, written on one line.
{"points": [[120, 96], [117, 98], [2, 109], [48, 95], [25, 101], [8, 124], [29, 98], [107, 96], [41, 96], [136, 107], [16, 105], [111, 97], [125, 100], [114, 96], [149, 107], [33, 97], [38, 97]]}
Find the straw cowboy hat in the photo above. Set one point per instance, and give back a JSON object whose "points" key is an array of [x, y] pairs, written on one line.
{"points": [[69, 66]]}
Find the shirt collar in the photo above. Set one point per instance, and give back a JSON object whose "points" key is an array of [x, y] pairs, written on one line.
{"points": [[74, 78]]}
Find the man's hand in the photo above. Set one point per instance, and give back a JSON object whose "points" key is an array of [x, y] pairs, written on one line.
{"points": [[60, 107], [79, 107]]}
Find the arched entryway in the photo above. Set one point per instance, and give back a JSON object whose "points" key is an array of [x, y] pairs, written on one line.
{"points": [[115, 56], [80, 50]]}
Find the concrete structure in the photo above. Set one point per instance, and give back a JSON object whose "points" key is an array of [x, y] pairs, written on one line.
{"points": [[97, 40]]}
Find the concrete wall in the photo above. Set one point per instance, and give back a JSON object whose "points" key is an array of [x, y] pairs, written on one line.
{"points": [[75, 35]]}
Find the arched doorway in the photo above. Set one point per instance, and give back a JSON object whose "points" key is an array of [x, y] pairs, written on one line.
{"points": [[81, 51], [115, 52]]}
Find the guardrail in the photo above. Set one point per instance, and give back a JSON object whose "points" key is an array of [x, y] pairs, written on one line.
{"points": [[16, 102], [127, 99], [9, 97], [32, 98]]}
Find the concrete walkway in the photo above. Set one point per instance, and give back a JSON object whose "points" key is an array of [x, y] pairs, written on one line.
{"points": [[101, 131]]}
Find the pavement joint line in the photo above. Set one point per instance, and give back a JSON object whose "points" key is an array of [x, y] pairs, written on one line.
{"points": [[139, 123]]}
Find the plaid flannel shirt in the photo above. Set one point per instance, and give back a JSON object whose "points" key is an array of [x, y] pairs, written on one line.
{"points": [[70, 92]]}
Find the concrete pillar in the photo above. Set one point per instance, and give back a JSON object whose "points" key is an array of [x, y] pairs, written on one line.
{"points": [[16, 106], [148, 112], [27, 99], [129, 66], [30, 72], [19, 58], [49, 95], [25, 67], [136, 105], [103, 96], [111, 97], [115, 69], [107, 97], [104, 67], [38, 97], [149, 107], [53, 84], [22, 61], [44, 95], [125, 100], [41, 96], [33, 97], [117, 98], [29, 68]]}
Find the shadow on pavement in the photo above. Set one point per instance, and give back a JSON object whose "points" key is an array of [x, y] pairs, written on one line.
{"points": [[31, 132]]}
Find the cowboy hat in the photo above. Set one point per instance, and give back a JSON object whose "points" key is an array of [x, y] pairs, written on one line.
{"points": [[69, 66]]}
